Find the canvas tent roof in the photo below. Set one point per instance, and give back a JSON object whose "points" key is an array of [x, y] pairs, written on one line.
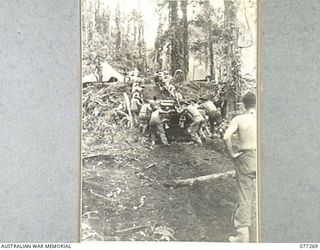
{"points": [[107, 70]]}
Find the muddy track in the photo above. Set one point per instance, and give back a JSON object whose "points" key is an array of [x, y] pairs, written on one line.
{"points": [[114, 185]]}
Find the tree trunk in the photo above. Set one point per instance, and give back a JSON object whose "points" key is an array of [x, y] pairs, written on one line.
{"points": [[192, 181], [211, 53], [158, 46], [208, 10], [173, 17], [141, 45], [107, 25], [232, 58], [118, 31], [185, 38]]}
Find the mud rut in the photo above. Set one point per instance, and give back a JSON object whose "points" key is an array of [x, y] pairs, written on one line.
{"points": [[123, 196]]}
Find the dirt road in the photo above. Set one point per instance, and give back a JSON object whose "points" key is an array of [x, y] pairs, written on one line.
{"points": [[125, 188]]}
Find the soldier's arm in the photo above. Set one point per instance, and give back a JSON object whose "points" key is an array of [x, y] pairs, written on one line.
{"points": [[181, 111], [200, 106], [233, 128], [140, 102]]}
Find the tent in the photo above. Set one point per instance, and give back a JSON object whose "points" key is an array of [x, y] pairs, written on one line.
{"points": [[107, 71]]}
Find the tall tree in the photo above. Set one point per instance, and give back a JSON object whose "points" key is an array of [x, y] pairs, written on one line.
{"points": [[208, 16], [158, 45], [106, 23], [232, 53], [118, 31], [185, 37], [205, 42], [141, 45], [173, 26]]}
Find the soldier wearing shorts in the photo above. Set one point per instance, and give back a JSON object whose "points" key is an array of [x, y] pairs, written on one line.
{"points": [[157, 126]]}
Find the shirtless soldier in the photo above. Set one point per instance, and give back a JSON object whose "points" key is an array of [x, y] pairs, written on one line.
{"points": [[212, 112], [157, 126], [143, 117], [245, 126], [136, 104], [195, 129]]}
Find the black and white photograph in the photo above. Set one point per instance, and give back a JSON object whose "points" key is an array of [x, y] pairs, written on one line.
{"points": [[169, 120]]}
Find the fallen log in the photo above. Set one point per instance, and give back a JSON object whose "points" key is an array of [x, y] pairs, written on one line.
{"points": [[131, 229], [96, 154], [192, 181], [150, 166], [99, 195]]}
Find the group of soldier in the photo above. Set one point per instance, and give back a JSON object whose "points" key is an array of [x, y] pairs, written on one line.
{"points": [[203, 117], [200, 118]]}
